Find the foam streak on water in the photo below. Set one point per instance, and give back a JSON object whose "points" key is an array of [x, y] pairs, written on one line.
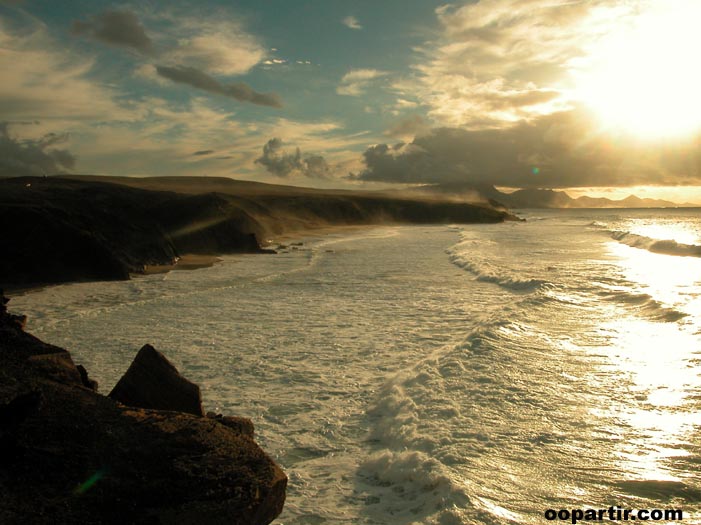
{"points": [[465, 374]]}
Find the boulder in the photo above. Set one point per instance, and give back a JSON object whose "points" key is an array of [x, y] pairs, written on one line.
{"points": [[71, 455], [153, 382], [87, 382]]}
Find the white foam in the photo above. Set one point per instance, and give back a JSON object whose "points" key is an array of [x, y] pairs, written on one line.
{"points": [[661, 246], [489, 274], [394, 387]]}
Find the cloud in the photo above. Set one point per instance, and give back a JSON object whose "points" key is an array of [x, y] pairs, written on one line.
{"points": [[356, 81], [409, 126], [163, 140], [500, 61], [203, 152], [283, 164], [201, 80], [404, 104], [216, 42], [43, 80], [219, 45], [52, 88], [33, 157], [118, 28], [147, 71], [351, 22], [566, 147]]}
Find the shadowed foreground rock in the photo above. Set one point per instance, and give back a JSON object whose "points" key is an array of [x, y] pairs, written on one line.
{"points": [[70, 455], [153, 382]]}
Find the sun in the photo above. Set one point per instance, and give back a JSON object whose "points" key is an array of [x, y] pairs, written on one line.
{"points": [[643, 76]]}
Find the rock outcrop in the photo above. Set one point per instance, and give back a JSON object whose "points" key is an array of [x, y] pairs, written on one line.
{"points": [[70, 455], [153, 382]]}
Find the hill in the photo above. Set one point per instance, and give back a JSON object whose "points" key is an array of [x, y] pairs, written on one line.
{"points": [[59, 229]]}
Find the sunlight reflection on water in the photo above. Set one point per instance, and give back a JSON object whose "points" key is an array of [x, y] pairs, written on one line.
{"points": [[657, 362]]}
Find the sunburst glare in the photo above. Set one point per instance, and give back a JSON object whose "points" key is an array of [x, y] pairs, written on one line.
{"points": [[642, 78]]}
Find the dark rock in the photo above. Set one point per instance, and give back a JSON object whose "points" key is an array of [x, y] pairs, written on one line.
{"points": [[87, 382], [18, 409], [153, 382], [19, 320], [70, 455], [59, 366], [242, 425], [65, 230]]}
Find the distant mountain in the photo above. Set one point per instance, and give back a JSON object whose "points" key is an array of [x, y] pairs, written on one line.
{"points": [[545, 198], [537, 198]]}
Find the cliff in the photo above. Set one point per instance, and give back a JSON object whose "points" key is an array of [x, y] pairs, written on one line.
{"points": [[68, 229], [71, 455]]}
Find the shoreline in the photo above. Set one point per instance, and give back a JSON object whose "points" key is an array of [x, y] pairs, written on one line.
{"points": [[189, 261], [80, 240], [320, 231], [193, 261]]}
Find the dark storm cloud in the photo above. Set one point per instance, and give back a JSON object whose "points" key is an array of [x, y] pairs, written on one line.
{"points": [[32, 157], [278, 162], [558, 151], [283, 164], [116, 27], [201, 80], [316, 167]]}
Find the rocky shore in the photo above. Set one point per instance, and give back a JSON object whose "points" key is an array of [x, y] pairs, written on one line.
{"points": [[105, 228], [146, 453]]}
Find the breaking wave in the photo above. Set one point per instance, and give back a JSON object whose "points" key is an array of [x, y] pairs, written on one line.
{"points": [[489, 274], [662, 246], [645, 304], [417, 426]]}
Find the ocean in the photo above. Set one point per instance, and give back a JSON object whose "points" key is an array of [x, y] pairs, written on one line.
{"points": [[459, 374]]}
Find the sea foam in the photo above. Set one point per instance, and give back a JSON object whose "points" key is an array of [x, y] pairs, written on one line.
{"points": [[662, 246], [489, 274]]}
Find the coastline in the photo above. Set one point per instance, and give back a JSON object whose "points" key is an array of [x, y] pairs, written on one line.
{"points": [[188, 261], [122, 231], [193, 261], [303, 234]]}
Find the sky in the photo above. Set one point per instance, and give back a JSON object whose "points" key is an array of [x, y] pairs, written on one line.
{"points": [[595, 96]]}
